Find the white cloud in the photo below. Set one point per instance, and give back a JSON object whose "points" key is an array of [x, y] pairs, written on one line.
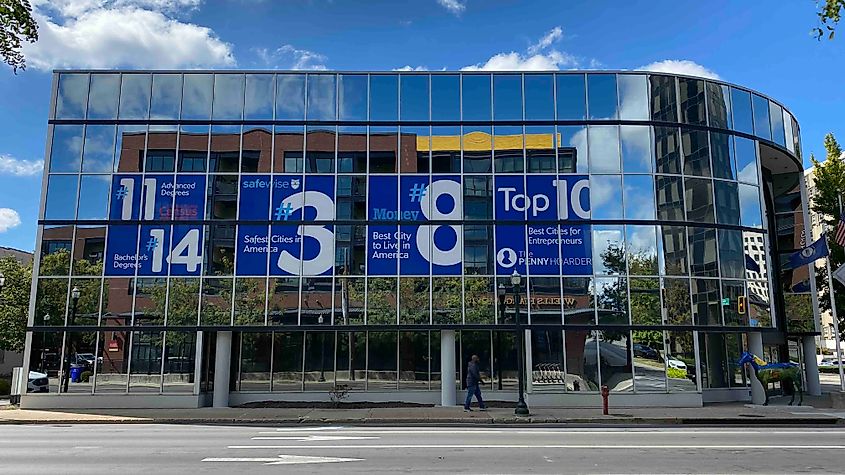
{"points": [[540, 56], [288, 57], [550, 38], [10, 165], [456, 7], [682, 66], [513, 61], [408, 67], [9, 219], [123, 33]]}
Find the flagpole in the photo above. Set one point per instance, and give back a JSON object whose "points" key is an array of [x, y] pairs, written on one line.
{"points": [[838, 334]]}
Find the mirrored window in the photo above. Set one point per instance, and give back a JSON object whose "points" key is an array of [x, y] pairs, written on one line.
{"points": [[216, 306], [667, 150], [197, 93], [673, 245], [446, 149], [776, 117], [609, 250], [699, 200], [578, 300], [99, 148], [641, 249], [166, 96], [639, 197], [649, 374], [749, 199], [702, 245], [539, 97], [478, 198], [381, 301], [762, 126], [475, 94], [731, 292], [256, 148], [384, 143], [633, 96], [477, 142], [572, 149], [61, 197], [676, 301], [645, 304], [670, 198], [94, 197], [445, 97], [692, 101], [604, 149], [741, 111], [352, 149], [193, 149], [183, 301], [322, 103], [72, 96], [636, 143], [103, 96], [478, 240], [415, 148], [352, 96], [612, 301], [727, 202], [664, 102], [721, 151], [540, 149], [731, 254], [414, 96], [479, 297], [787, 128], [320, 149], [289, 148], [224, 154], [706, 302], [290, 96], [228, 97], [384, 97], [696, 152], [508, 150], [258, 97], [66, 149], [507, 97], [605, 196], [446, 300], [135, 96], [571, 96], [719, 105], [145, 363], [413, 300], [130, 142], [601, 96], [746, 160]]}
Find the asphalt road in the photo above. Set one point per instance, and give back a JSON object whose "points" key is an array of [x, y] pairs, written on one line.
{"points": [[163, 449]]}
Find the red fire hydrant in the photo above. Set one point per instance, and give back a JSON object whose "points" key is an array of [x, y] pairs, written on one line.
{"points": [[605, 392]]}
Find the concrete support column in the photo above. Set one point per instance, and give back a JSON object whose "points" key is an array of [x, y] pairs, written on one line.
{"points": [[198, 359], [222, 357], [448, 388], [529, 363], [811, 366], [755, 347]]}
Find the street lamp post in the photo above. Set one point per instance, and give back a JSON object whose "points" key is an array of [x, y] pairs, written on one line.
{"points": [[521, 407], [322, 352], [74, 296], [501, 295]]}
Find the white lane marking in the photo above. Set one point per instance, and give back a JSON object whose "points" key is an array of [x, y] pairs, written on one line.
{"points": [[308, 429], [316, 438], [540, 446], [283, 459], [580, 431]]}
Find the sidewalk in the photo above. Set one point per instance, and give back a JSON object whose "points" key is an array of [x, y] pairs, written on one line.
{"points": [[717, 414]]}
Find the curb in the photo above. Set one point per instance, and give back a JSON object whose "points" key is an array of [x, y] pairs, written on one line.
{"points": [[702, 421]]}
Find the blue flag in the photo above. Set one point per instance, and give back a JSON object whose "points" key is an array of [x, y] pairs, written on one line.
{"points": [[751, 264], [809, 254]]}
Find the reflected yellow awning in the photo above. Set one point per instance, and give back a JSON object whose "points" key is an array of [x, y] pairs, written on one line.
{"points": [[481, 141]]}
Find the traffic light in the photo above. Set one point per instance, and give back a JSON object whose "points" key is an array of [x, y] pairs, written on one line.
{"points": [[740, 305]]}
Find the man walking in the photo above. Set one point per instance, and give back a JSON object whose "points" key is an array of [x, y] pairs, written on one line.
{"points": [[473, 384]]}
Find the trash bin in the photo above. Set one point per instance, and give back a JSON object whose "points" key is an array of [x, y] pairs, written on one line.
{"points": [[75, 373]]}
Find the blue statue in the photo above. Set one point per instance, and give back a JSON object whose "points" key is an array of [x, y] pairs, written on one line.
{"points": [[788, 373]]}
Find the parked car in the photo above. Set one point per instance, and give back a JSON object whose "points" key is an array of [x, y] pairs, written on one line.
{"points": [[644, 351], [829, 362], [37, 383]]}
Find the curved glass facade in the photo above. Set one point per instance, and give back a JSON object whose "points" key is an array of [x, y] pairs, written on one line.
{"points": [[338, 222]]}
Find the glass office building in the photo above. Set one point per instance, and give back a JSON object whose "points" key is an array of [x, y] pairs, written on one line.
{"points": [[228, 236]]}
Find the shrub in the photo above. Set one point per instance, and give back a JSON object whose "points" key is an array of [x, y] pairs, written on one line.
{"points": [[85, 376], [5, 387], [338, 393], [676, 373]]}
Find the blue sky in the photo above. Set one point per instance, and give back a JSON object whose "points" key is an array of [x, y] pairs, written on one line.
{"points": [[763, 45]]}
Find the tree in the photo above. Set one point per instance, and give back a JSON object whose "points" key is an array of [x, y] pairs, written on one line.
{"points": [[14, 303], [829, 13], [16, 25], [829, 179]]}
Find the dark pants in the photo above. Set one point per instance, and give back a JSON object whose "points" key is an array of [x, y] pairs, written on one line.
{"points": [[473, 389]]}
